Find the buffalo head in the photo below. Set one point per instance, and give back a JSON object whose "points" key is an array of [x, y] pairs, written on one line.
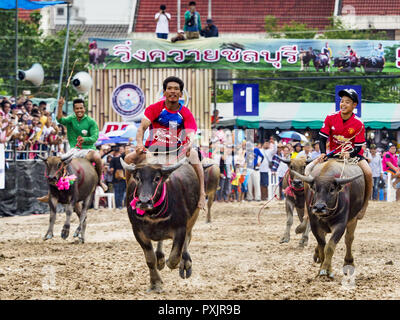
{"points": [[54, 167], [149, 180], [298, 165], [325, 192]]}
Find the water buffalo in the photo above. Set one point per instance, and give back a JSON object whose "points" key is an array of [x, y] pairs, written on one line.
{"points": [[372, 64], [81, 190], [320, 61], [162, 204], [305, 57], [335, 197], [294, 191], [211, 183], [346, 63]]}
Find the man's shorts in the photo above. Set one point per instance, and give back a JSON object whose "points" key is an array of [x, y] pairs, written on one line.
{"points": [[264, 179], [77, 153]]}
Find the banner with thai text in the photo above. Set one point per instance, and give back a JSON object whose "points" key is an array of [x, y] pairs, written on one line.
{"points": [[269, 54]]}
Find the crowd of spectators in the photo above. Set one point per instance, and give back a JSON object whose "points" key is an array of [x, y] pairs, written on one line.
{"points": [[28, 129]]}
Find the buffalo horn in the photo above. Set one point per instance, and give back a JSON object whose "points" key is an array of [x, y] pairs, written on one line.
{"points": [[308, 179], [342, 181], [284, 160], [66, 157], [129, 167], [172, 167], [43, 158]]}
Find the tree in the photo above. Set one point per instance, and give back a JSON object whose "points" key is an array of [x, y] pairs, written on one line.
{"points": [[32, 48]]}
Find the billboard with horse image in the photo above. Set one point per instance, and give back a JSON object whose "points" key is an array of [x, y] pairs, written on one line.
{"points": [[307, 55]]}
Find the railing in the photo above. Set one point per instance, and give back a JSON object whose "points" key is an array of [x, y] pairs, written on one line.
{"points": [[13, 154]]}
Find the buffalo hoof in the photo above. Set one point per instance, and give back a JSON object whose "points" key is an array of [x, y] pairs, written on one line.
{"points": [[303, 243], [155, 288], [188, 272], [81, 240], [284, 240], [325, 273], [301, 227], [48, 236], [348, 270], [77, 232], [172, 265], [65, 233]]}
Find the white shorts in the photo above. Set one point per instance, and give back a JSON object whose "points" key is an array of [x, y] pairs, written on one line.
{"points": [[77, 153]]}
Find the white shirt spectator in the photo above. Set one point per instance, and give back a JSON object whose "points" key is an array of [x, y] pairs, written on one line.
{"points": [[303, 154], [162, 23], [376, 165], [282, 168], [268, 154]]}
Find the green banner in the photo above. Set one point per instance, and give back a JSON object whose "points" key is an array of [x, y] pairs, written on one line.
{"points": [[268, 54]]}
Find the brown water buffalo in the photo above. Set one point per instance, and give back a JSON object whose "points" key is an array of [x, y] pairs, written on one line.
{"points": [[80, 191], [294, 191], [335, 197], [162, 204], [211, 183]]}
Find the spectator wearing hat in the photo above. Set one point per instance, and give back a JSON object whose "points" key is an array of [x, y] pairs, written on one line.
{"points": [[192, 25], [316, 152], [377, 171], [210, 30], [162, 17]]}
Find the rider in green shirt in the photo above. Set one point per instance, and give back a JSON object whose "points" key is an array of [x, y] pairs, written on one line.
{"points": [[82, 134]]}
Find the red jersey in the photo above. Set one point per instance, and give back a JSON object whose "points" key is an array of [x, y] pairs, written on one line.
{"points": [[337, 131], [163, 119]]}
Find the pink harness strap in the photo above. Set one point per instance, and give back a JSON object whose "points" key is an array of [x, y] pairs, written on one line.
{"points": [[158, 203]]}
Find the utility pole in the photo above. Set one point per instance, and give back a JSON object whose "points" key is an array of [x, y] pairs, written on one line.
{"points": [[16, 51], [178, 14]]}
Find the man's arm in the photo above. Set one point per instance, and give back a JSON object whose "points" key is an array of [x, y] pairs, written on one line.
{"points": [[61, 102], [144, 124]]}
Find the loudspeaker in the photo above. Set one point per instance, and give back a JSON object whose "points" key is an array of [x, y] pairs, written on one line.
{"points": [[35, 74], [82, 82]]}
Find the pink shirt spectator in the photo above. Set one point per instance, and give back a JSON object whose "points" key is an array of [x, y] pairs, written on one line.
{"points": [[389, 157]]}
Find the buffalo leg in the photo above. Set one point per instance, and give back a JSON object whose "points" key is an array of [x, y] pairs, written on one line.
{"points": [[319, 235], [53, 212], [186, 261], [329, 250], [176, 251], [78, 211], [82, 220], [349, 237], [289, 221], [304, 238], [65, 229], [151, 260], [210, 202], [160, 256]]}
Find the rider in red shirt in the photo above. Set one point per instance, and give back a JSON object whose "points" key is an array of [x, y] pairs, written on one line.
{"points": [[339, 128], [168, 119]]}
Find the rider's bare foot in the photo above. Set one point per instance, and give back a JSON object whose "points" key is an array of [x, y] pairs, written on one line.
{"points": [[202, 201], [103, 186], [44, 199]]}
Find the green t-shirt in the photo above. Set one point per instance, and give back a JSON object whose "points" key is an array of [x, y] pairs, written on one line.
{"points": [[86, 128]]}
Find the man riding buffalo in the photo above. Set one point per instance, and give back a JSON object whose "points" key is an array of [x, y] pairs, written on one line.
{"points": [[346, 135], [82, 134], [167, 119]]}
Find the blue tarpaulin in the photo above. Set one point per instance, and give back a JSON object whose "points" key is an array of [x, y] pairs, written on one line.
{"points": [[28, 5]]}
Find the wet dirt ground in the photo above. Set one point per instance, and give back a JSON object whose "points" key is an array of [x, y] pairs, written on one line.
{"points": [[234, 257]]}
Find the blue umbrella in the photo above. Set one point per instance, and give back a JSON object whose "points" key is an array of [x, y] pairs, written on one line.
{"points": [[293, 135]]}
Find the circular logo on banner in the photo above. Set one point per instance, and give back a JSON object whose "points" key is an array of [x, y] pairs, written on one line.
{"points": [[128, 100], [183, 100]]}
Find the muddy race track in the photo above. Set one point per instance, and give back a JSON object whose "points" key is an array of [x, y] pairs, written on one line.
{"points": [[234, 257]]}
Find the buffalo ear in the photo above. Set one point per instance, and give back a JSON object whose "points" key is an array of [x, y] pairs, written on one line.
{"points": [[43, 158]]}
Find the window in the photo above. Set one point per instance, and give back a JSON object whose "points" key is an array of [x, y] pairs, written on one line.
{"points": [[60, 11]]}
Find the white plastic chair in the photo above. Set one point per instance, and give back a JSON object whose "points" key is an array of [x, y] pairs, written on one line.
{"points": [[99, 193]]}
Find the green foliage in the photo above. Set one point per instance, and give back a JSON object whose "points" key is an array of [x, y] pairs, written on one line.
{"points": [[33, 47]]}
